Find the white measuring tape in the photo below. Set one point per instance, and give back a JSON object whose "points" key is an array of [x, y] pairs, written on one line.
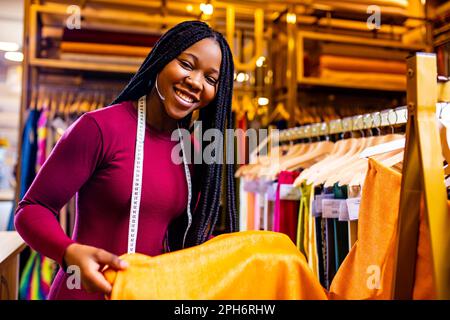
{"points": [[137, 179]]}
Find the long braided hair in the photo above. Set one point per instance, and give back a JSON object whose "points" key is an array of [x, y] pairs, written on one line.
{"points": [[207, 181]]}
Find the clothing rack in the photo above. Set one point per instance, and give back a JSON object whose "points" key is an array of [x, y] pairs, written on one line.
{"points": [[422, 173], [385, 118], [422, 177]]}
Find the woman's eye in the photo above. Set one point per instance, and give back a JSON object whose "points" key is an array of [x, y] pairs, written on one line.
{"points": [[211, 80], [186, 64]]}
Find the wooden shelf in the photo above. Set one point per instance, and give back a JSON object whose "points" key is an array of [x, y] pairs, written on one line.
{"points": [[310, 81], [360, 41], [76, 65]]}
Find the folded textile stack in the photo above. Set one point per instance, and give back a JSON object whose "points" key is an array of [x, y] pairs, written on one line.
{"points": [[367, 71], [87, 45]]}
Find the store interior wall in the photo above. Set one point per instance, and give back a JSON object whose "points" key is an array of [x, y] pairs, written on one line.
{"points": [[11, 31]]}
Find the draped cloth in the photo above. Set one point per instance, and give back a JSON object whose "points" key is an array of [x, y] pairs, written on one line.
{"points": [[242, 265]]}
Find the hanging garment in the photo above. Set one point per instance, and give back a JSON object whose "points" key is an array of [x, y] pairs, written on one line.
{"points": [[306, 229], [368, 270], [42, 138], [242, 205], [355, 193], [286, 211], [340, 229], [37, 277], [242, 265]]}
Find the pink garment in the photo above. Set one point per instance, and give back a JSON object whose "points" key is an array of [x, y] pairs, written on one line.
{"points": [[286, 211], [94, 159]]}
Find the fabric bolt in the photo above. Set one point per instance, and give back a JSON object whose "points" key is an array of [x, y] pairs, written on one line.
{"points": [[107, 49], [101, 168], [101, 58], [286, 211], [374, 252], [249, 265], [352, 50], [366, 78], [353, 64], [107, 37]]}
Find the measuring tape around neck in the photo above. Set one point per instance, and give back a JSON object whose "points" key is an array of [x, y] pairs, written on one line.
{"points": [[137, 179]]}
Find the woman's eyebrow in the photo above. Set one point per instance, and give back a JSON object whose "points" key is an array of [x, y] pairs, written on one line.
{"points": [[196, 61]]}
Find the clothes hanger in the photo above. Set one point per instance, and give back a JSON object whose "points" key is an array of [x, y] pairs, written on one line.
{"points": [[33, 100], [40, 98], [443, 125], [355, 146]]}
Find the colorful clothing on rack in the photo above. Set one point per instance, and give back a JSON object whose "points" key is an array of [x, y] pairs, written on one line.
{"points": [[286, 211]]}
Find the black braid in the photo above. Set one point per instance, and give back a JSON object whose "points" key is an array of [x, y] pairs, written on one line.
{"points": [[207, 180]]}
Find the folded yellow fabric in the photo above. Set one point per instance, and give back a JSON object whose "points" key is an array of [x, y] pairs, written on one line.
{"points": [[241, 265]]}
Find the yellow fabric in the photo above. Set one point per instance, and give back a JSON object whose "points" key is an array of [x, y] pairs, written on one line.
{"points": [[306, 229], [267, 265], [241, 265], [376, 244]]}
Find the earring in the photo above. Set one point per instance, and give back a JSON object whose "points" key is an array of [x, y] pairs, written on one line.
{"points": [[157, 90]]}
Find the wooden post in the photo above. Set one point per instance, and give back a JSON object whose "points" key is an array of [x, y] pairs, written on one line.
{"points": [[423, 178]]}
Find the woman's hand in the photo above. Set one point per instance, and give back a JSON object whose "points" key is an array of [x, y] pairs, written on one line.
{"points": [[91, 261]]}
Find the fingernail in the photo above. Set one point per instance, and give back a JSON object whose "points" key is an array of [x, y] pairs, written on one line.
{"points": [[124, 264]]}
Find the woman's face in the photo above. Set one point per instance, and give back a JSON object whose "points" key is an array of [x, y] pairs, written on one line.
{"points": [[190, 81]]}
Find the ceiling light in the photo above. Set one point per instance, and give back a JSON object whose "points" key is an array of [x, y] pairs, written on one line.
{"points": [[14, 56], [240, 77], [260, 61], [207, 9], [291, 18], [263, 101], [189, 8]]}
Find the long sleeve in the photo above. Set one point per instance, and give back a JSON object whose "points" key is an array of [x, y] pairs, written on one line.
{"points": [[71, 163]]}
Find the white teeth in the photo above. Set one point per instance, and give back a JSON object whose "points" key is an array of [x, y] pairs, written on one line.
{"points": [[183, 96]]}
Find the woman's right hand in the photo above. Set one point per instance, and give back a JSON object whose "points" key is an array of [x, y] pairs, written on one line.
{"points": [[91, 261]]}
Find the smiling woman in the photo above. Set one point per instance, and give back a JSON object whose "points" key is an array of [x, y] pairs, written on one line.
{"points": [[189, 68]]}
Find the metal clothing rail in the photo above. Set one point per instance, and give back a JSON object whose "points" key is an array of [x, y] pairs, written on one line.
{"points": [[385, 118]]}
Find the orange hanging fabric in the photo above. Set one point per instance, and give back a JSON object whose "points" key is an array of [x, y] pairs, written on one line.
{"points": [[368, 271]]}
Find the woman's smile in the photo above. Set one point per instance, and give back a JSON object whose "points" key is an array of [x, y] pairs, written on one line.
{"points": [[185, 98]]}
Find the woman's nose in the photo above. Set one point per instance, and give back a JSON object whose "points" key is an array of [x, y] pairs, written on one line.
{"points": [[194, 82]]}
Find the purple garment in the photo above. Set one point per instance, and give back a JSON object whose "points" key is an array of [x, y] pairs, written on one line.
{"points": [[94, 159]]}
